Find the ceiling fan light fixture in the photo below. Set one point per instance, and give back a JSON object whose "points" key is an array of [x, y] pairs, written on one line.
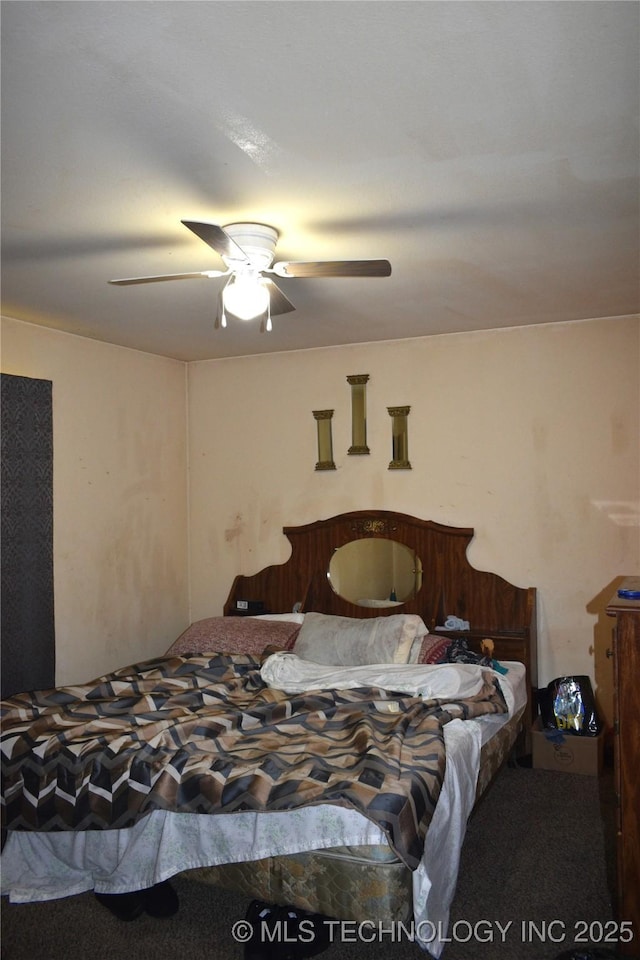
{"points": [[247, 250], [245, 296]]}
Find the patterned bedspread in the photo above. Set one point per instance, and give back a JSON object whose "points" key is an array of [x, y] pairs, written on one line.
{"points": [[206, 735]]}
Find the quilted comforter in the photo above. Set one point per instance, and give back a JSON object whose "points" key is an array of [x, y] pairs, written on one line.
{"points": [[206, 734]]}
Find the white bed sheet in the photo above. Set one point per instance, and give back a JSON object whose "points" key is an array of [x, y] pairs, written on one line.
{"points": [[39, 866]]}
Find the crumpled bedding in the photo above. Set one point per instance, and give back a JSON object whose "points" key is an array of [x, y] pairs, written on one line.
{"points": [[208, 735], [288, 672]]}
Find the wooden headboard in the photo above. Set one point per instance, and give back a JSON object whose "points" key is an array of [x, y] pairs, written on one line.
{"points": [[496, 609]]}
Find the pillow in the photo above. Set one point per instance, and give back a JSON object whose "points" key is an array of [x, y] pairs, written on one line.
{"points": [[244, 635], [351, 642], [290, 617], [433, 649]]}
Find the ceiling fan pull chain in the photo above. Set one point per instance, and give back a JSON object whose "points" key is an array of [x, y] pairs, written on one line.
{"points": [[269, 324], [223, 314]]}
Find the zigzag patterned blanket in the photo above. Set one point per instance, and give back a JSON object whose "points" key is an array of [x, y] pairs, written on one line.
{"points": [[206, 735]]}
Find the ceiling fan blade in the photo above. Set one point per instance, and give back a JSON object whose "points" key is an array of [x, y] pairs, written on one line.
{"points": [[216, 237], [208, 274], [279, 302], [333, 268]]}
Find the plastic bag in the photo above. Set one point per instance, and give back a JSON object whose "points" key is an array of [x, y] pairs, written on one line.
{"points": [[568, 704]]}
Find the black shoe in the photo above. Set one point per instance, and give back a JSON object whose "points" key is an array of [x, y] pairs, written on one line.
{"points": [[284, 933], [263, 918], [124, 906], [161, 900], [305, 934]]}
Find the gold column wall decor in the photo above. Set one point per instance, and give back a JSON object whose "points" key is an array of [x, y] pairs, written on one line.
{"points": [[325, 440], [358, 384], [399, 438]]}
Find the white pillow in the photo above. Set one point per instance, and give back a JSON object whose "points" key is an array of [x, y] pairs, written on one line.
{"points": [[351, 642], [285, 617]]}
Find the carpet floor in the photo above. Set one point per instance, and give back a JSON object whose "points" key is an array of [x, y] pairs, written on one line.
{"points": [[535, 875]]}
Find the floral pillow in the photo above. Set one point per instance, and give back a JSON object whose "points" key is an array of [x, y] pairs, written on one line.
{"points": [[240, 635], [433, 649]]}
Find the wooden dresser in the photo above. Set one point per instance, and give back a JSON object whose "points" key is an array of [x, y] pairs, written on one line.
{"points": [[626, 658]]}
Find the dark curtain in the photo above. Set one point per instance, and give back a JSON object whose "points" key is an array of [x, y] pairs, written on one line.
{"points": [[27, 614]]}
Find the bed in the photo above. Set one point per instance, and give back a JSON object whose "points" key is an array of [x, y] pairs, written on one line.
{"points": [[332, 754]]}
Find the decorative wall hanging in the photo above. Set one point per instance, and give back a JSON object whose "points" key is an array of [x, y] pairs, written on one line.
{"points": [[399, 438], [325, 440], [358, 413]]}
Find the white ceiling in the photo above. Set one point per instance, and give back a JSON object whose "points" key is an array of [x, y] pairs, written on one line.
{"points": [[489, 150]]}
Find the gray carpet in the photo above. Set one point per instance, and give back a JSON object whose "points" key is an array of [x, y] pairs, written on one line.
{"points": [[536, 864]]}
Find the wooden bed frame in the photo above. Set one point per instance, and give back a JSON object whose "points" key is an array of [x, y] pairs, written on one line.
{"points": [[496, 609], [347, 883]]}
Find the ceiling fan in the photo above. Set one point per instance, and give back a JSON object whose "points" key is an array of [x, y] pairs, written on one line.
{"points": [[247, 250]]}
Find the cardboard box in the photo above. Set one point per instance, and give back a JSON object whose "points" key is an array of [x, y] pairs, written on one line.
{"points": [[573, 755]]}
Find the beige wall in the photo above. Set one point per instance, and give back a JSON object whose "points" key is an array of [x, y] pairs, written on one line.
{"points": [[530, 435], [120, 505]]}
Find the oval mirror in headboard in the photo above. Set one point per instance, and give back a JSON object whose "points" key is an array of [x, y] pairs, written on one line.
{"points": [[375, 572]]}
